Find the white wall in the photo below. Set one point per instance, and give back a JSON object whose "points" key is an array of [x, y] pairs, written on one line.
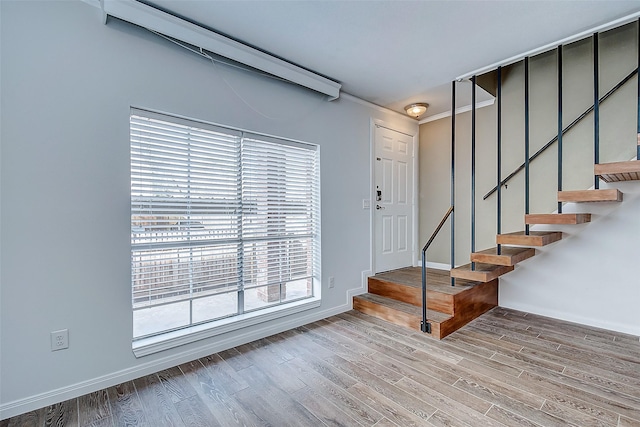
{"points": [[67, 85], [591, 275]]}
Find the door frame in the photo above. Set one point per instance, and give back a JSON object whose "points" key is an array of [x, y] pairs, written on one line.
{"points": [[413, 132]]}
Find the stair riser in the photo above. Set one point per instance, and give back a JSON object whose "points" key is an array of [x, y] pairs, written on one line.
{"points": [[411, 295], [394, 316]]}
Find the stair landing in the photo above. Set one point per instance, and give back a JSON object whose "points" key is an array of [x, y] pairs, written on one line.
{"points": [[396, 296]]}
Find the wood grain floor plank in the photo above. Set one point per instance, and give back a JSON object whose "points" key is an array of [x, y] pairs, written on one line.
{"points": [[226, 377], [593, 378], [416, 406], [324, 410], [463, 412], [628, 422], [194, 412], [522, 361], [390, 409], [587, 396], [369, 337], [103, 422], [176, 384], [30, 419], [613, 376], [277, 371], [125, 405], [508, 418], [333, 341], [373, 337], [271, 403], [413, 368], [235, 359], [156, 402], [581, 343], [62, 414], [442, 419], [300, 344], [385, 422], [93, 407], [575, 417], [356, 409], [559, 395], [224, 408], [502, 383], [523, 410], [579, 384]]}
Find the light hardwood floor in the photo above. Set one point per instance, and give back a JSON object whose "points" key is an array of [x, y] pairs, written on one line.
{"points": [[504, 368]]}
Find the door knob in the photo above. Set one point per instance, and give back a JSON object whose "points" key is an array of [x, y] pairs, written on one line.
{"points": [[378, 207]]}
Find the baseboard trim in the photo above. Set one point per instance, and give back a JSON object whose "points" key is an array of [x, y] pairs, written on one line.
{"points": [[21, 406], [540, 311]]}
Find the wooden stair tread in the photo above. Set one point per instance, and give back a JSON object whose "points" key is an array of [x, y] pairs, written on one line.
{"points": [[508, 255], [600, 195], [438, 280], [557, 218], [432, 315], [618, 171], [482, 273], [534, 238]]}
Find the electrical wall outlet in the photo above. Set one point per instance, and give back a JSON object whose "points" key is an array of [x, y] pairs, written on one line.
{"points": [[332, 282], [59, 339]]}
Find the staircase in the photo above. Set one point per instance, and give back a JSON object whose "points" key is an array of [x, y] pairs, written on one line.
{"points": [[437, 307], [489, 265], [396, 297]]}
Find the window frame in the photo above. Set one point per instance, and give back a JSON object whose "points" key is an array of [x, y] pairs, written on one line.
{"points": [[162, 340]]}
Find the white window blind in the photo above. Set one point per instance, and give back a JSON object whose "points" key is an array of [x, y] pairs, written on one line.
{"points": [[279, 216], [221, 222]]}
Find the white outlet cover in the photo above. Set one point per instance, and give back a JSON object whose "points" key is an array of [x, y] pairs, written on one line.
{"points": [[59, 340]]}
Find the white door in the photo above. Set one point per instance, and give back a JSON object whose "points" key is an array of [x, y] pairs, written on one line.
{"points": [[393, 200]]}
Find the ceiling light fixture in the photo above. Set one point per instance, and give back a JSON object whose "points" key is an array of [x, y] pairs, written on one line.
{"points": [[416, 109]]}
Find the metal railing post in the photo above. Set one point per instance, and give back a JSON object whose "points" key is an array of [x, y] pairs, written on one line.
{"points": [[425, 326], [596, 108], [526, 142], [560, 124], [638, 108], [499, 159], [473, 168], [453, 176]]}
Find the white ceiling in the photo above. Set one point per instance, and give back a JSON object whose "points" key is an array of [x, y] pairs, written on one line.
{"points": [[393, 52]]}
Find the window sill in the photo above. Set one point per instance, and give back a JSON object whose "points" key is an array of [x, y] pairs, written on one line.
{"points": [[151, 345]]}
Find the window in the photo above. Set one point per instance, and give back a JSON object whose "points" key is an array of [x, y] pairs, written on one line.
{"points": [[223, 223]]}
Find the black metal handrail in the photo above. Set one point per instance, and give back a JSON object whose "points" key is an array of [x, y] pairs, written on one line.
{"points": [[425, 326], [565, 130]]}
